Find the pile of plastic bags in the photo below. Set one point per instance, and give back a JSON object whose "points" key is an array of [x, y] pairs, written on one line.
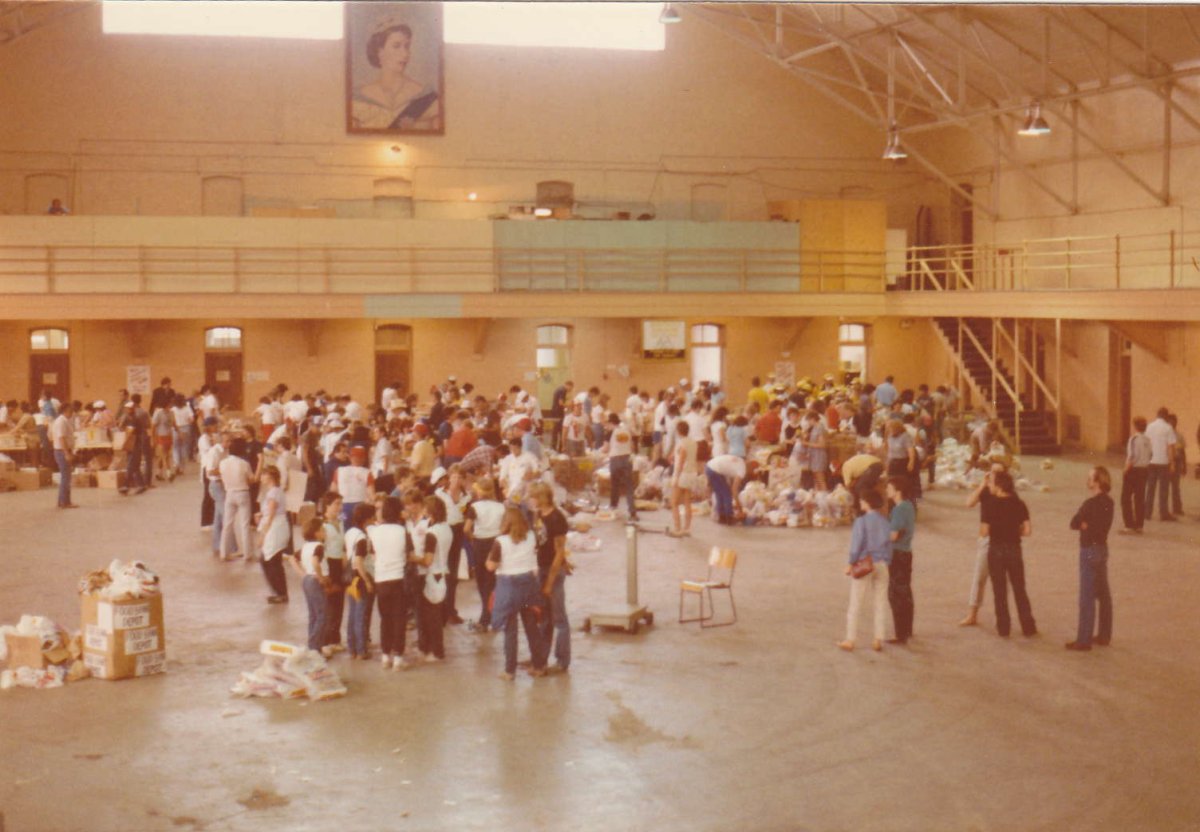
{"points": [[120, 582], [290, 672], [57, 654], [782, 505]]}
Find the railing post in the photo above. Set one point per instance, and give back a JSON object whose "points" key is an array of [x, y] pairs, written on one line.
{"points": [[1117, 252], [995, 370], [1068, 262], [50, 270], [664, 282], [237, 271], [1058, 409], [820, 271], [1024, 275], [1171, 284], [1017, 379]]}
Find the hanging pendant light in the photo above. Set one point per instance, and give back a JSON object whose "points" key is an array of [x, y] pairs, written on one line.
{"points": [[894, 150], [1034, 125], [669, 14]]}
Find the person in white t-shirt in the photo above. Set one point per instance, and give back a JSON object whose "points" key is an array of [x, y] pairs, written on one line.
{"points": [[575, 431], [185, 421], [725, 474], [236, 478], [207, 404], [483, 518], [62, 438], [354, 482], [620, 465], [1162, 464], [266, 417], [514, 560]]}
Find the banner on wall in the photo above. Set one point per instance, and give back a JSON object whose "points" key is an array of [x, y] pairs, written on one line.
{"points": [[664, 340], [137, 379], [785, 373]]}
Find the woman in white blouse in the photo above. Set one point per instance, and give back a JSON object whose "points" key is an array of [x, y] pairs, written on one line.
{"points": [[514, 560]]}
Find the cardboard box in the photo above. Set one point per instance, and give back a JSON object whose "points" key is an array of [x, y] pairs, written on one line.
{"points": [[24, 651], [123, 639], [83, 479], [110, 479], [29, 479], [7, 466]]}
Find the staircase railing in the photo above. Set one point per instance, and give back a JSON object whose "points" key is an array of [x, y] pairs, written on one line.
{"points": [[997, 379], [958, 357], [1022, 361]]}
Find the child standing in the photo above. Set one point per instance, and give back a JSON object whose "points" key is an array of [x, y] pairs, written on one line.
{"points": [[432, 568], [275, 531], [361, 592], [315, 571], [339, 575]]}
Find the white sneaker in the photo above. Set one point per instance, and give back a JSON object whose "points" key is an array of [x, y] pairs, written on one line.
{"points": [[399, 663], [429, 658], [386, 661]]}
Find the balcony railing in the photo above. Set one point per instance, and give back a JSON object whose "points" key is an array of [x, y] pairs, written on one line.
{"points": [[1150, 261]]}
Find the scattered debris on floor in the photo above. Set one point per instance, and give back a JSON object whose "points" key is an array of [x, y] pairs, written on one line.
{"points": [[290, 672], [260, 799], [40, 654]]}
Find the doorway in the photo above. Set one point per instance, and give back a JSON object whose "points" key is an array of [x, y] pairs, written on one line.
{"points": [[553, 362], [223, 365], [49, 364], [393, 359]]}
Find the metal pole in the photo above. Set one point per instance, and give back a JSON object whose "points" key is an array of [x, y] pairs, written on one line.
{"points": [[995, 370], [631, 564], [1017, 378], [1058, 394]]}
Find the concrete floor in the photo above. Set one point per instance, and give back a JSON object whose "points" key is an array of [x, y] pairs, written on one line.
{"points": [[761, 726]]}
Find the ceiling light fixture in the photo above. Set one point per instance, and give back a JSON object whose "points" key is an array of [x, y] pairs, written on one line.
{"points": [[894, 150], [1034, 125], [669, 14], [542, 212]]}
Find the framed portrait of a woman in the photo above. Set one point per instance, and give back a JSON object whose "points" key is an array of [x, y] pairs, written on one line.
{"points": [[394, 79]]}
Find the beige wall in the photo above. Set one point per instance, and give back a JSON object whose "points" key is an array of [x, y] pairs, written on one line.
{"points": [[101, 350], [152, 116]]}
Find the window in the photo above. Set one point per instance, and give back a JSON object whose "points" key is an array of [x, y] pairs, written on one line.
{"points": [[48, 339], [395, 337], [852, 350], [230, 18], [223, 338], [707, 353], [552, 343], [630, 26]]}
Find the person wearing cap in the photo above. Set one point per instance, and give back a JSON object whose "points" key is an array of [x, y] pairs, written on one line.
{"points": [[353, 482], [102, 417], [424, 456]]}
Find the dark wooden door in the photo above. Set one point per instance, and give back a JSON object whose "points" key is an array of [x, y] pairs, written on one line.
{"points": [[50, 371], [223, 373], [392, 366]]}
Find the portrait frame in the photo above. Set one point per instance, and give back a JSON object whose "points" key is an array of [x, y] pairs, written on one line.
{"points": [[410, 110]]}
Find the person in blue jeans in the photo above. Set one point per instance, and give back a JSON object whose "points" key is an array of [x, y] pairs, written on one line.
{"points": [[361, 590], [550, 525], [725, 473], [514, 560], [62, 437], [1093, 522], [312, 565]]}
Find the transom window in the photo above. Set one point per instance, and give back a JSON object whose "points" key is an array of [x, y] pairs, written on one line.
{"points": [[552, 343], [852, 349], [707, 353], [393, 337], [223, 338], [632, 26], [49, 339]]}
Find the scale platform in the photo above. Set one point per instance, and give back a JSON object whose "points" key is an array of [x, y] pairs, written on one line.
{"points": [[629, 618], [633, 614]]}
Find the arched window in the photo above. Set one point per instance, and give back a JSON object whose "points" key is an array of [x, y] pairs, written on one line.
{"points": [[852, 350], [223, 338], [49, 339], [708, 353]]}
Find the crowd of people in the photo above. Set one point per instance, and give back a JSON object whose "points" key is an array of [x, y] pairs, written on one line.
{"points": [[394, 500]]}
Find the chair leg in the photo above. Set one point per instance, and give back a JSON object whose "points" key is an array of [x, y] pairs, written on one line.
{"points": [[713, 608], [701, 617]]}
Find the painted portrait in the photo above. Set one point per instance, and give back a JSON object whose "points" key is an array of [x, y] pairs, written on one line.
{"points": [[394, 68]]}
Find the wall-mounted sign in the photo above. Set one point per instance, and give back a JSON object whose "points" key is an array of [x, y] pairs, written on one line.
{"points": [[785, 373], [664, 339], [137, 379], [50, 379], [223, 375]]}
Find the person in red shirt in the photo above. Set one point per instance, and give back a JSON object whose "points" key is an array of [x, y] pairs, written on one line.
{"points": [[769, 424], [462, 441]]}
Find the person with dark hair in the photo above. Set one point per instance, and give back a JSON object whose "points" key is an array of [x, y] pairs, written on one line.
{"points": [[621, 444], [275, 531], [140, 466], [62, 437], [1006, 520], [903, 520], [870, 537], [1178, 466], [236, 477], [1092, 521], [392, 546], [162, 397], [1133, 481], [361, 592], [314, 570], [981, 497], [861, 474]]}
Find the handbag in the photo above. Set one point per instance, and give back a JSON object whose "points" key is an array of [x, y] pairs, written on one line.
{"points": [[435, 587], [862, 567]]}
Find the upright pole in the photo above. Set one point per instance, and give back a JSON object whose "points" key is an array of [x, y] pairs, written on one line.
{"points": [[631, 565], [1058, 393]]}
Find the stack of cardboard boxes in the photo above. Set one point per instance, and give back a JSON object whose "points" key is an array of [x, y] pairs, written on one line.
{"points": [[125, 638]]}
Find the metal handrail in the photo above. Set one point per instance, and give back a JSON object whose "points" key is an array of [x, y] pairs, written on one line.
{"points": [[996, 376], [1022, 360]]}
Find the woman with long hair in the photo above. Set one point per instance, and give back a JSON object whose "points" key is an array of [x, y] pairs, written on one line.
{"points": [[514, 560]]}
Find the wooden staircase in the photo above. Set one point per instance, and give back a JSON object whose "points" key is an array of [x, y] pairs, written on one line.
{"points": [[974, 349]]}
